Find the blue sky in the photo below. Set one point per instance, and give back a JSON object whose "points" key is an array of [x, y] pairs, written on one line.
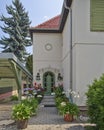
{"points": [[38, 10]]}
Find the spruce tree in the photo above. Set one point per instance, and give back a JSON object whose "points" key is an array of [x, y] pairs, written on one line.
{"points": [[16, 25], [29, 63]]}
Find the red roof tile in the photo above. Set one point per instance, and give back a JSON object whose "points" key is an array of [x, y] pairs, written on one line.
{"points": [[50, 24]]}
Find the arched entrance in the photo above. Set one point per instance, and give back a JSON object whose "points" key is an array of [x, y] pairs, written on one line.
{"points": [[48, 82]]}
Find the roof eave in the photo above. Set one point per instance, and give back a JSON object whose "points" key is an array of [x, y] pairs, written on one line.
{"points": [[64, 14], [43, 30]]}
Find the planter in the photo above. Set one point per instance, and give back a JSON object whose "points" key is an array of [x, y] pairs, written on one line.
{"points": [[22, 124], [68, 117]]}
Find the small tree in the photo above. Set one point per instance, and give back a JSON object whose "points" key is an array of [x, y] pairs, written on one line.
{"points": [[95, 102], [17, 28], [29, 63]]}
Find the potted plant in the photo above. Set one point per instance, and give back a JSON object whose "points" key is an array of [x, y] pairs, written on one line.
{"points": [[69, 111], [21, 113]]}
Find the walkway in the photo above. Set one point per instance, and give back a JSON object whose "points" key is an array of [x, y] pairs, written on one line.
{"points": [[47, 119]]}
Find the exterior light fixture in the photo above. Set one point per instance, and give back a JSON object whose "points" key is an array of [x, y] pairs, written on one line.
{"points": [[59, 77], [38, 76]]}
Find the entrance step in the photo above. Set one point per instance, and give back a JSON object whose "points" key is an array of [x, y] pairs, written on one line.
{"points": [[48, 101], [50, 105], [49, 96]]}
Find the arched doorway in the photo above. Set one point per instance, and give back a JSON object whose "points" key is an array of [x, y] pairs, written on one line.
{"points": [[48, 82]]}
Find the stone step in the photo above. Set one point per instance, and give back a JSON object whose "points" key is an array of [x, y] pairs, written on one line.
{"points": [[49, 97], [48, 101], [50, 105]]}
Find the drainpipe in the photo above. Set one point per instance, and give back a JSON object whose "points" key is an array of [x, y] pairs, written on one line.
{"points": [[71, 55]]}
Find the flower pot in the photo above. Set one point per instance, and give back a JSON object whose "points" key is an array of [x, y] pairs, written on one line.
{"points": [[68, 117], [22, 124]]}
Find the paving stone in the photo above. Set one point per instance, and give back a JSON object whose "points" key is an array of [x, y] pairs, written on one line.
{"points": [[79, 127], [6, 122]]}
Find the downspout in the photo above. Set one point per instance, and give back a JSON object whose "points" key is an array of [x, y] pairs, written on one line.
{"points": [[71, 55]]}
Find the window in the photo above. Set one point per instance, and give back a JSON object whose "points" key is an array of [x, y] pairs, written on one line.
{"points": [[97, 15]]}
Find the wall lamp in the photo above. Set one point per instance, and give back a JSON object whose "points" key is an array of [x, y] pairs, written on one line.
{"points": [[38, 76], [59, 77]]}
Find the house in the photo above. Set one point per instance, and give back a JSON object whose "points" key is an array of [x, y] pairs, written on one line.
{"points": [[70, 46]]}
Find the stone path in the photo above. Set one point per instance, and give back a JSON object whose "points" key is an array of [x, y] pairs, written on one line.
{"points": [[47, 118]]}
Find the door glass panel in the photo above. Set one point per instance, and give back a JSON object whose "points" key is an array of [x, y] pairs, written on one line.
{"points": [[48, 82]]}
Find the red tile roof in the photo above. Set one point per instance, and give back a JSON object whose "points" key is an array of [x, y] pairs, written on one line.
{"points": [[50, 24]]}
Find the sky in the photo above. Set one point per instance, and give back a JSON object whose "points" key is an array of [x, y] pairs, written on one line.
{"points": [[39, 11]]}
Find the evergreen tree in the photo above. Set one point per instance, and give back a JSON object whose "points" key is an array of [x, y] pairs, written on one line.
{"points": [[29, 63], [17, 28]]}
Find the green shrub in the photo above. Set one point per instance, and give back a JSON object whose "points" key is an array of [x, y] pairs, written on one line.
{"points": [[90, 128], [14, 98], [95, 103], [59, 91]]}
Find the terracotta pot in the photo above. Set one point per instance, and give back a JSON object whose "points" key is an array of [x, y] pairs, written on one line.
{"points": [[68, 117], [22, 124]]}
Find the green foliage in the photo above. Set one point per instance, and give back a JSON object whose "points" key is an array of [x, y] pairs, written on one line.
{"points": [[59, 91], [64, 106], [95, 102], [71, 109], [21, 112], [33, 103], [17, 28], [29, 63], [62, 103], [14, 98], [90, 128], [58, 100], [39, 98]]}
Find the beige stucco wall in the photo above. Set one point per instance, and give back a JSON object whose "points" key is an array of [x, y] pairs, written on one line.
{"points": [[81, 24], [88, 50], [47, 60], [89, 64], [66, 56]]}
